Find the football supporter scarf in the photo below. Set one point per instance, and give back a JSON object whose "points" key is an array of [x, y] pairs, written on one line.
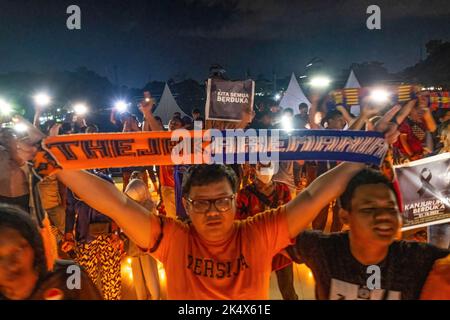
{"points": [[118, 150], [398, 94]]}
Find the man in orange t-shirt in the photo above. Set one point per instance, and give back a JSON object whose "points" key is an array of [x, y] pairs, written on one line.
{"points": [[213, 256], [199, 269]]}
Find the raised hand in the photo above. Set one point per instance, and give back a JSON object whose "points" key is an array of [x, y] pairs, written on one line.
{"points": [[368, 110], [404, 111], [386, 126], [54, 130], [147, 103]]}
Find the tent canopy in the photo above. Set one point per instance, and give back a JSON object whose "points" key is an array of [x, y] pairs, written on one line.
{"points": [[294, 96], [167, 106], [352, 81]]}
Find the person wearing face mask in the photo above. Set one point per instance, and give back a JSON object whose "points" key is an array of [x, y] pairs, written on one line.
{"points": [[261, 195], [144, 267]]}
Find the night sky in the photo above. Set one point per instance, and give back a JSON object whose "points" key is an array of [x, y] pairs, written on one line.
{"points": [[158, 40]]}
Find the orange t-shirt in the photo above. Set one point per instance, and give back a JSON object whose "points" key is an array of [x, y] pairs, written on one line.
{"points": [[237, 268]]}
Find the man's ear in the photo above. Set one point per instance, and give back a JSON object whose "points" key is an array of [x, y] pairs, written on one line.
{"points": [[235, 201], [344, 216], [185, 204]]}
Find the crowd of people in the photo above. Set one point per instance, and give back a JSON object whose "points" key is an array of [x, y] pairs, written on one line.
{"points": [[221, 230]]}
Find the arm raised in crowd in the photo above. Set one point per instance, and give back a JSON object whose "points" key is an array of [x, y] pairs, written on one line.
{"points": [[150, 123], [141, 226], [347, 116], [112, 117], [313, 111], [367, 112], [304, 208], [37, 115]]}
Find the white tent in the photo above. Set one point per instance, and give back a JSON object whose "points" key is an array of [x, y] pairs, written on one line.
{"points": [[352, 82], [167, 106], [294, 96]]}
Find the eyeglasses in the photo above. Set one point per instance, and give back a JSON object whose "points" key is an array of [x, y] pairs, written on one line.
{"points": [[204, 205]]}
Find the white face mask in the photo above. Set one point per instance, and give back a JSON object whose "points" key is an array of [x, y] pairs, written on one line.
{"points": [[265, 175]]}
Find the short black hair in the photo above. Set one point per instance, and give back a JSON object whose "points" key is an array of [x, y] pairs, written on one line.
{"points": [[333, 114], [364, 177], [176, 118], [196, 110], [204, 174], [12, 217], [302, 106]]}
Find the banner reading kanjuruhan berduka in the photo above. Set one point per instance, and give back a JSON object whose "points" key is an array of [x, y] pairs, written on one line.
{"points": [[225, 100], [425, 188]]}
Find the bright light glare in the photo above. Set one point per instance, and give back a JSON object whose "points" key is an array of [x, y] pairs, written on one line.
{"points": [[287, 123], [379, 95], [20, 127], [5, 108], [42, 99], [80, 109], [121, 106], [320, 82], [277, 97]]}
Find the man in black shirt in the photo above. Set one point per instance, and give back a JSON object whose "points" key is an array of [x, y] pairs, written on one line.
{"points": [[367, 262]]}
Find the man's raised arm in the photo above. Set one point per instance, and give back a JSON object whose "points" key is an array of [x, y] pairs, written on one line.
{"points": [[302, 210], [141, 226]]}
